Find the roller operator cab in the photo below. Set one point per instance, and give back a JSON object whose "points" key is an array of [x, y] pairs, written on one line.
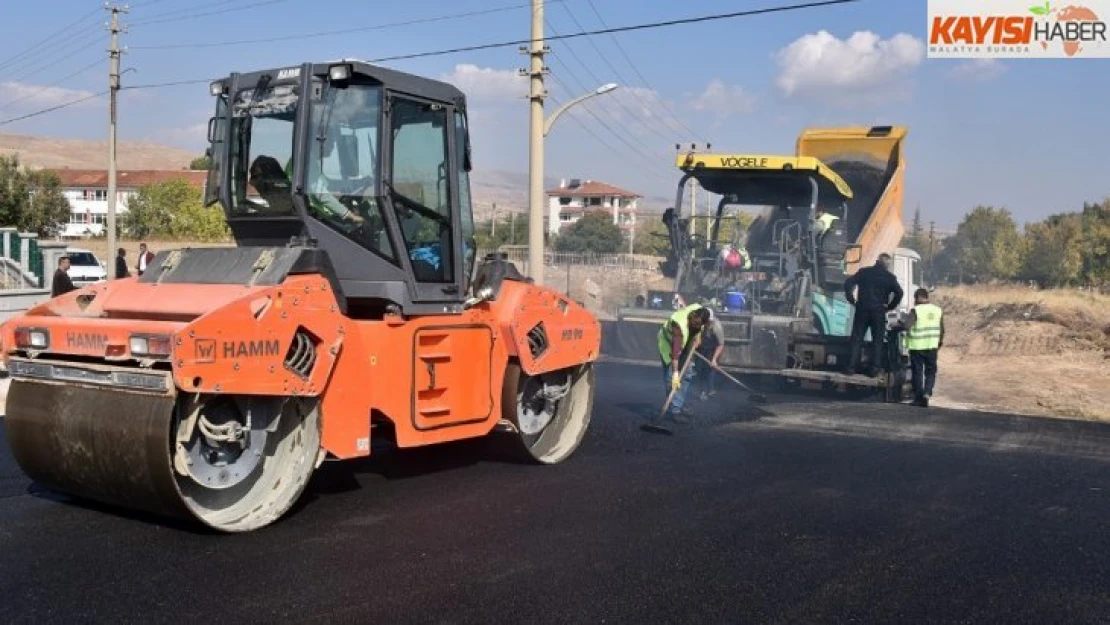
{"points": [[353, 308]]}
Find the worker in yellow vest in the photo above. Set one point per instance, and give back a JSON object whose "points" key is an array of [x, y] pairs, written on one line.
{"points": [[678, 338], [824, 221], [924, 337]]}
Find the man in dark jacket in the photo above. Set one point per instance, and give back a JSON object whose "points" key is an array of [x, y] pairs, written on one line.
{"points": [[121, 264], [62, 284], [877, 292]]}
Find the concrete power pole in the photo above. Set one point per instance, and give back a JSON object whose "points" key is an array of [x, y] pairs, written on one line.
{"points": [[536, 95], [113, 90]]}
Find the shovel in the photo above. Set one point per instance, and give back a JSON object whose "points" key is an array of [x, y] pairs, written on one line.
{"points": [[758, 398], [655, 426]]}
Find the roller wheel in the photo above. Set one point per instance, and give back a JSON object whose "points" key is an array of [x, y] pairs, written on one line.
{"points": [[549, 413], [241, 462], [233, 463]]}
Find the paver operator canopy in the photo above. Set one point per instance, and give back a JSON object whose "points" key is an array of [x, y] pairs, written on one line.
{"points": [[791, 187], [212, 386]]}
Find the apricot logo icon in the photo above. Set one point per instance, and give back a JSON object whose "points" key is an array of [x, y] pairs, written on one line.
{"points": [[1016, 29]]}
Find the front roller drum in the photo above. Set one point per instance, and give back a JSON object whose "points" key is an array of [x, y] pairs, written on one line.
{"points": [[235, 464]]}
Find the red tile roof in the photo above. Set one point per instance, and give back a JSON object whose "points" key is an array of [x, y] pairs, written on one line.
{"points": [[591, 188], [127, 179]]}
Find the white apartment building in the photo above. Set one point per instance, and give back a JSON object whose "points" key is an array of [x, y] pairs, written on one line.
{"points": [[87, 192], [574, 198]]}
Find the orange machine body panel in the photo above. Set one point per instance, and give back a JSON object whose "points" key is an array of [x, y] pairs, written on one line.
{"points": [[436, 378]]}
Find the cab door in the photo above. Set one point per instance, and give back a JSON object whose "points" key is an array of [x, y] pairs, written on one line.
{"points": [[451, 375]]}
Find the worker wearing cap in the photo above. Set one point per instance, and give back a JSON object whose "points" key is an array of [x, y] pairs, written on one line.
{"points": [[924, 338], [678, 336], [711, 347]]}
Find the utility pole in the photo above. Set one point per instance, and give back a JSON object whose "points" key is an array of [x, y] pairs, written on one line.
{"points": [[693, 229], [535, 72], [493, 222], [113, 90], [708, 216]]}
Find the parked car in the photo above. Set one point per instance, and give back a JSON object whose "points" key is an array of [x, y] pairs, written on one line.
{"points": [[85, 267]]}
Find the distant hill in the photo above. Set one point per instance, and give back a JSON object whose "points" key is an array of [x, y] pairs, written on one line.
{"points": [[507, 189], [53, 153]]}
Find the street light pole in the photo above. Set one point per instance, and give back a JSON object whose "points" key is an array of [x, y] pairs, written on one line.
{"points": [[603, 89]]}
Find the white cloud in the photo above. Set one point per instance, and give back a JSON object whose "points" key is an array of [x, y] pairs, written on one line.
{"points": [[486, 84], [18, 95], [863, 68], [724, 100], [977, 70]]}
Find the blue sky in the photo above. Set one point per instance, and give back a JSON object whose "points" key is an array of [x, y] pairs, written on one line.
{"points": [[1024, 134]]}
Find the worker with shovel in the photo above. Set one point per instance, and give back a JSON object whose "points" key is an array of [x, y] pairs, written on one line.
{"points": [[678, 339]]}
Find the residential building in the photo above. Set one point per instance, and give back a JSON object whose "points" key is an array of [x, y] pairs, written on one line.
{"points": [[574, 198], [87, 192]]}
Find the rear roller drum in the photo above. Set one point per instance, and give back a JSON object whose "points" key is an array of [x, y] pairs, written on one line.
{"points": [[549, 413]]}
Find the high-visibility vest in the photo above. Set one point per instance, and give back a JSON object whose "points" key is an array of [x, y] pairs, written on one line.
{"points": [[825, 222], [680, 316], [925, 333]]}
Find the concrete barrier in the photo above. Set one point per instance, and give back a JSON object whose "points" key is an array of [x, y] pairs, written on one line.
{"points": [[16, 301]]}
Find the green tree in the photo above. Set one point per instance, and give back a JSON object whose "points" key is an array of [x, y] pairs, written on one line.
{"points": [[1054, 250], [986, 246], [595, 232], [31, 201], [201, 163], [917, 239], [173, 209], [651, 237], [1095, 244]]}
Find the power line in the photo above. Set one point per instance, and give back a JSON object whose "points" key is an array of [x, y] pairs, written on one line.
{"points": [[643, 150], [616, 98], [674, 118], [328, 33], [9, 103], [167, 17], [54, 62], [585, 106], [618, 29], [49, 39], [53, 108]]}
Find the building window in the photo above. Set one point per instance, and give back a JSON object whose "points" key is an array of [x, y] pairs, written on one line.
{"points": [[100, 195], [595, 201], [99, 218], [564, 201]]}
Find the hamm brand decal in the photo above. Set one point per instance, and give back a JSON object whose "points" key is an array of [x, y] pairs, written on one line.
{"points": [[251, 349], [86, 341]]}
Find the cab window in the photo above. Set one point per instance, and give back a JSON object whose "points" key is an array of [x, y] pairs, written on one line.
{"points": [[420, 188]]}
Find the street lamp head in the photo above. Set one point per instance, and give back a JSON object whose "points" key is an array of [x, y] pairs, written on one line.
{"points": [[606, 88]]}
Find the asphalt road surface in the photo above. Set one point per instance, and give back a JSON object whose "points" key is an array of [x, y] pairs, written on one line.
{"points": [[796, 511]]}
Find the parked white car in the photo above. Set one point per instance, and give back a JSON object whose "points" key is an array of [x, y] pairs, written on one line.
{"points": [[85, 267]]}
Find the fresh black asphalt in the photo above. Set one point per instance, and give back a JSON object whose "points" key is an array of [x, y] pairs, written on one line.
{"points": [[803, 510]]}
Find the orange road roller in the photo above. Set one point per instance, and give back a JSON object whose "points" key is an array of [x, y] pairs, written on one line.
{"points": [[211, 386]]}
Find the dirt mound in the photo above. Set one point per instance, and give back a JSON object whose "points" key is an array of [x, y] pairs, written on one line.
{"points": [[1027, 351]]}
